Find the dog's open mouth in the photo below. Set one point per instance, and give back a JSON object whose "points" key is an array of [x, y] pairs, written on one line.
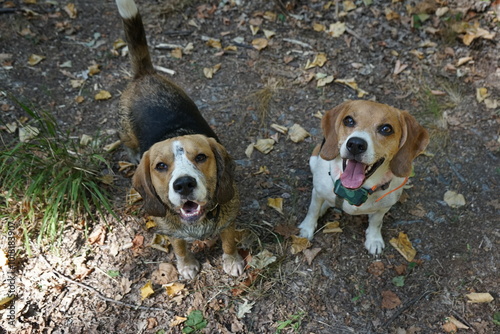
{"points": [[190, 211], [355, 173]]}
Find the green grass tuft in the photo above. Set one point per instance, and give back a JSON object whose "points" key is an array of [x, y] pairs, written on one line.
{"points": [[50, 179]]}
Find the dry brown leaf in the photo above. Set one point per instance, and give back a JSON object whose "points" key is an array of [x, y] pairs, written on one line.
{"points": [[449, 327], [124, 165], [254, 30], [260, 43], [376, 268], [276, 204], [102, 95], [35, 59], [232, 48], [271, 16], [264, 145], [318, 61], [297, 133], [332, 227], [262, 170], [6, 301], [404, 246], [299, 244], [147, 290], [457, 323], [133, 196], [214, 43], [390, 300], [268, 33], [70, 9], [474, 31], [336, 29], [210, 71], [177, 321], [286, 230], [166, 273], [323, 80], [352, 83], [150, 223], [79, 99], [463, 60], [176, 53], [94, 69], [398, 68], [349, 6], [113, 146], [280, 128], [481, 94], [310, 254], [249, 150], [98, 235], [319, 27], [476, 297], [391, 15]]}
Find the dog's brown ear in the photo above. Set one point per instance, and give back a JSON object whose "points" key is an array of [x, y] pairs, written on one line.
{"points": [[224, 191], [142, 183], [414, 140], [330, 123]]}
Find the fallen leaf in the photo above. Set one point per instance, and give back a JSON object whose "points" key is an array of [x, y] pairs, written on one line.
{"points": [[404, 246], [210, 71], [391, 15], [398, 68], [94, 69], [118, 44], [35, 59], [390, 300], [254, 30], [349, 6], [473, 32], [491, 104], [454, 199], [457, 323], [244, 308], [299, 244], [262, 260], [463, 61], [276, 204], [151, 323], [76, 83], [165, 274], [260, 43], [318, 61], [481, 94], [214, 43], [286, 230], [476, 297], [280, 128], [133, 196], [70, 9], [323, 81], [319, 27], [177, 321], [176, 53], [336, 29], [79, 99], [310, 254], [352, 83], [147, 290], [262, 170], [376, 268], [264, 145], [98, 235], [449, 327], [174, 289], [28, 132], [297, 133], [249, 150], [85, 140], [332, 227], [102, 95]]}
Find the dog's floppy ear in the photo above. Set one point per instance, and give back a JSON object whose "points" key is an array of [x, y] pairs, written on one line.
{"points": [[414, 140], [330, 123], [224, 191], [142, 183]]}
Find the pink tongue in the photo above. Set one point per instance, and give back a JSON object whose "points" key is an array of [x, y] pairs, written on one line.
{"points": [[354, 175]]}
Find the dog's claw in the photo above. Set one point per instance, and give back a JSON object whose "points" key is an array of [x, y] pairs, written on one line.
{"points": [[233, 264], [375, 246], [188, 268]]}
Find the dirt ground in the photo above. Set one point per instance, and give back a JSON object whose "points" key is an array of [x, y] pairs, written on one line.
{"points": [[409, 54]]}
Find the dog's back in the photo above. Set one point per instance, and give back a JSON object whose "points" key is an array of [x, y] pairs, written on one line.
{"points": [[152, 108]]}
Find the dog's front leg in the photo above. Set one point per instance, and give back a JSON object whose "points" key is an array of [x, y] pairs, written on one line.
{"points": [[316, 209], [374, 242], [187, 265], [233, 263]]}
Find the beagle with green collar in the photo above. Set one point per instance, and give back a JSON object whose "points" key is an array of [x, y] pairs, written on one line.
{"points": [[185, 175], [361, 166]]}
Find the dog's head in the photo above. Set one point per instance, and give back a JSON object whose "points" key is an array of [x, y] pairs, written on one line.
{"points": [[370, 136], [188, 175]]}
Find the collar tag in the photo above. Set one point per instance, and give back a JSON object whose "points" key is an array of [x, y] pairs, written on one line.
{"points": [[354, 197]]}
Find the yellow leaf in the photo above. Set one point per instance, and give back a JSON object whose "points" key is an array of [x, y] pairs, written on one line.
{"points": [[124, 165], [35, 59], [262, 170], [404, 246], [391, 15], [299, 244], [297, 133], [210, 71], [79, 99], [280, 128], [133, 196], [264, 145], [118, 44], [176, 53], [332, 227], [269, 33], [349, 6], [233, 48], [271, 16], [147, 290], [113, 146], [260, 43], [319, 27], [174, 288], [94, 69], [254, 29], [457, 323], [336, 29], [70, 9], [150, 223], [214, 43], [351, 83], [319, 60], [77, 83], [276, 204], [177, 321], [5, 301], [463, 60], [323, 81], [481, 94], [102, 95], [479, 297]]}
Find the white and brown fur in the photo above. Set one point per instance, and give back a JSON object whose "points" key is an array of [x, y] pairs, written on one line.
{"points": [[185, 176], [385, 133]]}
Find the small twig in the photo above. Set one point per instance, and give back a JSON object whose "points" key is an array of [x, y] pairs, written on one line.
{"points": [[361, 39], [405, 307], [98, 294], [294, 41], [463, 320]]}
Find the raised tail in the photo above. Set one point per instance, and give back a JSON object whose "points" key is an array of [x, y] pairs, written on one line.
{"points": [[136, 38]]}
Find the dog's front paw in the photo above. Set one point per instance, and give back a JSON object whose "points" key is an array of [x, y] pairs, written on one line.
{"points": [[188, 267], [233, 264], [307, 229], [374, 245]]}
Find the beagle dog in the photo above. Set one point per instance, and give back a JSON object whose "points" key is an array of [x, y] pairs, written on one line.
{"points": [[184, 175], [361, 166]]}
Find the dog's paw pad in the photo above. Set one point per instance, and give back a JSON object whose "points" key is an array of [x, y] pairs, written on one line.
{"points": [[233, 264], [374, 246], [188, 269]]}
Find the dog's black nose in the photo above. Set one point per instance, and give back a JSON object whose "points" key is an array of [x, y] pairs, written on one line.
{"points": [[184, 185], [356, 145]]}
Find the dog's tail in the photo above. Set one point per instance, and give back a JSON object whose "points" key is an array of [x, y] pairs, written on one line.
{"points": [[136, 38]]}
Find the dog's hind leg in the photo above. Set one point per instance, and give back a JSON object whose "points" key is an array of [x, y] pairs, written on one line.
{"points": [[316, 209]]}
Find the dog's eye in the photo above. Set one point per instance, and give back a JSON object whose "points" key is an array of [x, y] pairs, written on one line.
{"points": [[161, 166], [349, 122], [386, 130], [200, 158]]}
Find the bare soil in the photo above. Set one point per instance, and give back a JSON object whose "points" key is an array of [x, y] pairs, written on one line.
{"points": [[343, 289]]}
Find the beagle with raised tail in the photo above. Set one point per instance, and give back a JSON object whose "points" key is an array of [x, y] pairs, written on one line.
{"points": [[185, 176], [361, 166]]}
